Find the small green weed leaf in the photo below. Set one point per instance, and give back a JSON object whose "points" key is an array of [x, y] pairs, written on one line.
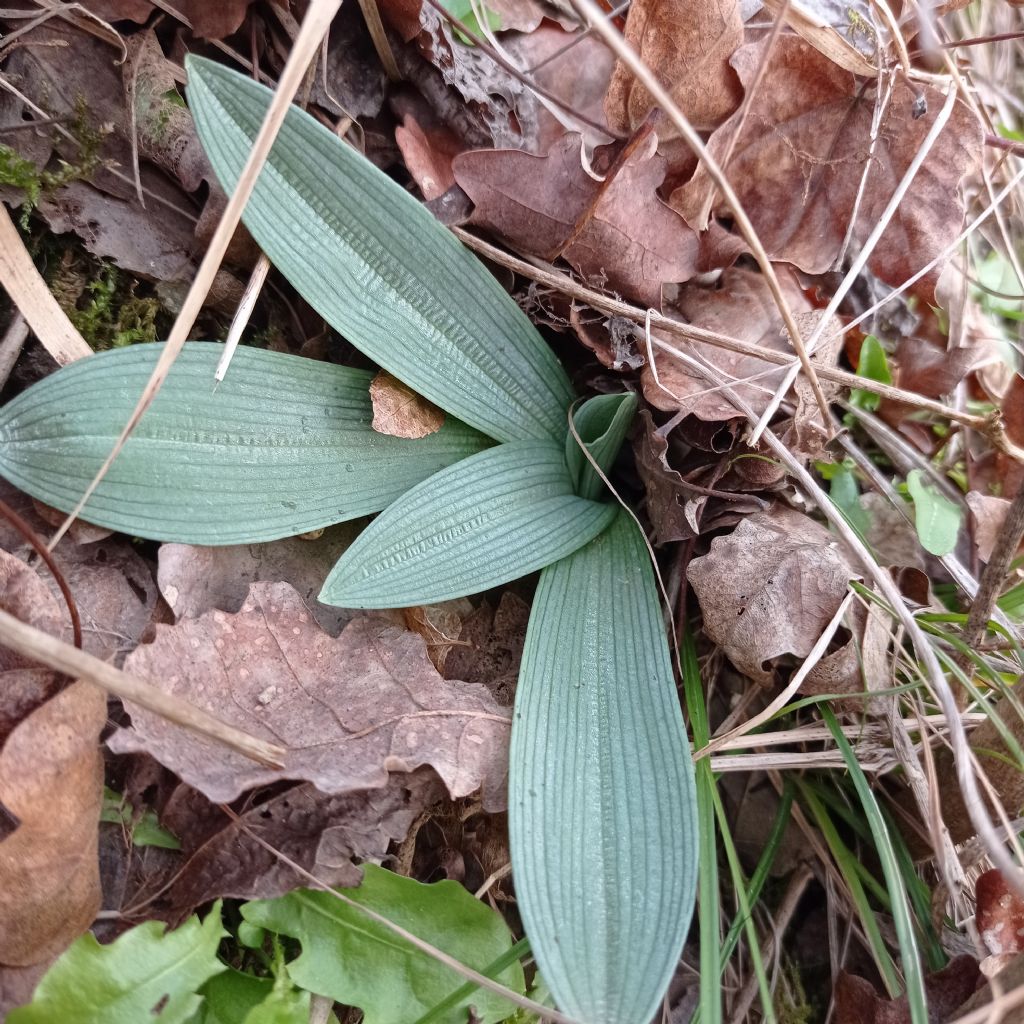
{"points": [[845, 493], [356, 961], [601, 423], [144, 831], [148, 974], [237, 998], [228, 997], [602, 805], [284, 445], [466, 13], [485, 521], [936, 518], [378, 267], [873, 365], [1012, 602]]}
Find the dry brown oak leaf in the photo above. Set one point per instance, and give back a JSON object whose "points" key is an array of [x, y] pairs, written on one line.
{"points": [[769, 588], [687, 45], [802, 152], [616, 232], [319, 833], [51, 783], [348, 710]]}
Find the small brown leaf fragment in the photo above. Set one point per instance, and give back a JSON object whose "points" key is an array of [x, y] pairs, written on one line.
{"points": [[326, 835], [428, 152], [51, 780], [491, 646], [195, 580], [740, 307], [399, 411], [533, 202], [348, 710], [769, 588], [989, 514], [857, 1002], [687, 45], [999, 914], [798, 164]]}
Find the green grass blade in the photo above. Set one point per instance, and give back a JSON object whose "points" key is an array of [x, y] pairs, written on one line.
{"points": [[849, 867], [602, 809], [461, 994], [709, 1009], [378, 267], [485, 521], [283, 446], [902, 919], [739, 884], [763, 867]]}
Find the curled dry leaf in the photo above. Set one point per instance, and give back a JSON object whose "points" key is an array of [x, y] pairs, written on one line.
{"points": [[678, 510], [195, 580], [51, 781], [845, 31], [687, 45], [25, 685], [323, 834], [989, 514], [857, 1002], [769, 588], [428, 151], [741, 307], [616, 231], [803, 150], [399, 411], [348, 710]]}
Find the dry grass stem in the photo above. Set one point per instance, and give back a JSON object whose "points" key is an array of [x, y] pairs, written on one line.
{"points": [[32, 298], [36, 644]]}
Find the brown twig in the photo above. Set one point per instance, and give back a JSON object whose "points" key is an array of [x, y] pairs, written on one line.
{"points": [[1007, 542], [991, 426], [39, 546]]}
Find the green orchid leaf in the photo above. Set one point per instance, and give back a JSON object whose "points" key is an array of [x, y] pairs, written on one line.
{"points": [[284, 445], [356, 961], [378, 267], [602, 804], [601, 423], [147, 974], [487, 520]]}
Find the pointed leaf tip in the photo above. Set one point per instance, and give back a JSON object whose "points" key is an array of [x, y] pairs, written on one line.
{"points": [[378, 267], [283, 446], [485, 521]]}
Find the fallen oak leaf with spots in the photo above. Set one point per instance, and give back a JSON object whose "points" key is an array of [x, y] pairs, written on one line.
{"points": [[349, 710]]}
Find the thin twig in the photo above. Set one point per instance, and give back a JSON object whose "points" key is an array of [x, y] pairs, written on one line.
{"points": [[616, 307], [1007, 543], [34, 643], [39, 547]]}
